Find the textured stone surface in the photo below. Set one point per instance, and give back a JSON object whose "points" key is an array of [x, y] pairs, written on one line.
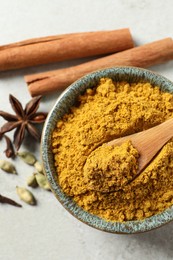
{"points": [[48, 231]]}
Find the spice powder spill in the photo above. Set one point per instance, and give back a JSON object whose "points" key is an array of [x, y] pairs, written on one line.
{"points": [[108, 111]]}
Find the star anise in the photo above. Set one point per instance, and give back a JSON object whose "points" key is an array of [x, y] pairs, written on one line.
{"points": [[23, 120]]}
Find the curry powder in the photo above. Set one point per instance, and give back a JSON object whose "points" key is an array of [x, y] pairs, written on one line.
{"points": [[108, 111], [110, 168]]}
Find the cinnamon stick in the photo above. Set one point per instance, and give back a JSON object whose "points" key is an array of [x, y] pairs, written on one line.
{"points": [[62, 47], [142, 56]]}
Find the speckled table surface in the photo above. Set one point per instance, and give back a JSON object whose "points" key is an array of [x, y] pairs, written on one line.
{"points": [[47, 231]]}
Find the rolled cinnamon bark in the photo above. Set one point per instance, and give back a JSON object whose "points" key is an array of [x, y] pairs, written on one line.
{"points": [[63, 47], [142, 56]]}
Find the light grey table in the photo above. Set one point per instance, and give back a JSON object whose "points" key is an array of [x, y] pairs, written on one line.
{"points": [[48, 232]]}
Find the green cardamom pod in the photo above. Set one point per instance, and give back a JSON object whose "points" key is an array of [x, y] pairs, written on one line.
{"points": [[32, 182], [39, 167], [42, 181], [26, 195], [7, 167], [27, 157]]}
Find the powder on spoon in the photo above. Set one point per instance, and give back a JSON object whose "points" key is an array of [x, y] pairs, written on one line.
{"points": [[109, 168]]}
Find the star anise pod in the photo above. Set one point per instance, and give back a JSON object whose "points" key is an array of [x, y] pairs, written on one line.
{"points": [[24, 119], [9, 151]]}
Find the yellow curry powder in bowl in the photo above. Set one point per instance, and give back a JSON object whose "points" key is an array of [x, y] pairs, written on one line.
{"points": [[95, 182]]}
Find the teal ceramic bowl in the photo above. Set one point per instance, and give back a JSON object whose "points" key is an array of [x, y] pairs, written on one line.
{"points": [[62, 105]]}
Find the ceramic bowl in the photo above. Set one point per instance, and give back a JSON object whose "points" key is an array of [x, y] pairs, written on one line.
{"points": [[62, 105]]}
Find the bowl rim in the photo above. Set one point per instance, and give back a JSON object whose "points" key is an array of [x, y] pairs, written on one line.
{"points": [[128, 227]]}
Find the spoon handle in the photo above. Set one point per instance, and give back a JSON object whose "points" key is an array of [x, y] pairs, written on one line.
{"points": [[148, 142]]}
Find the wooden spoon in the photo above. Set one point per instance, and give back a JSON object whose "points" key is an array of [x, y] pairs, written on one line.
{"points": [[148, 142]]}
